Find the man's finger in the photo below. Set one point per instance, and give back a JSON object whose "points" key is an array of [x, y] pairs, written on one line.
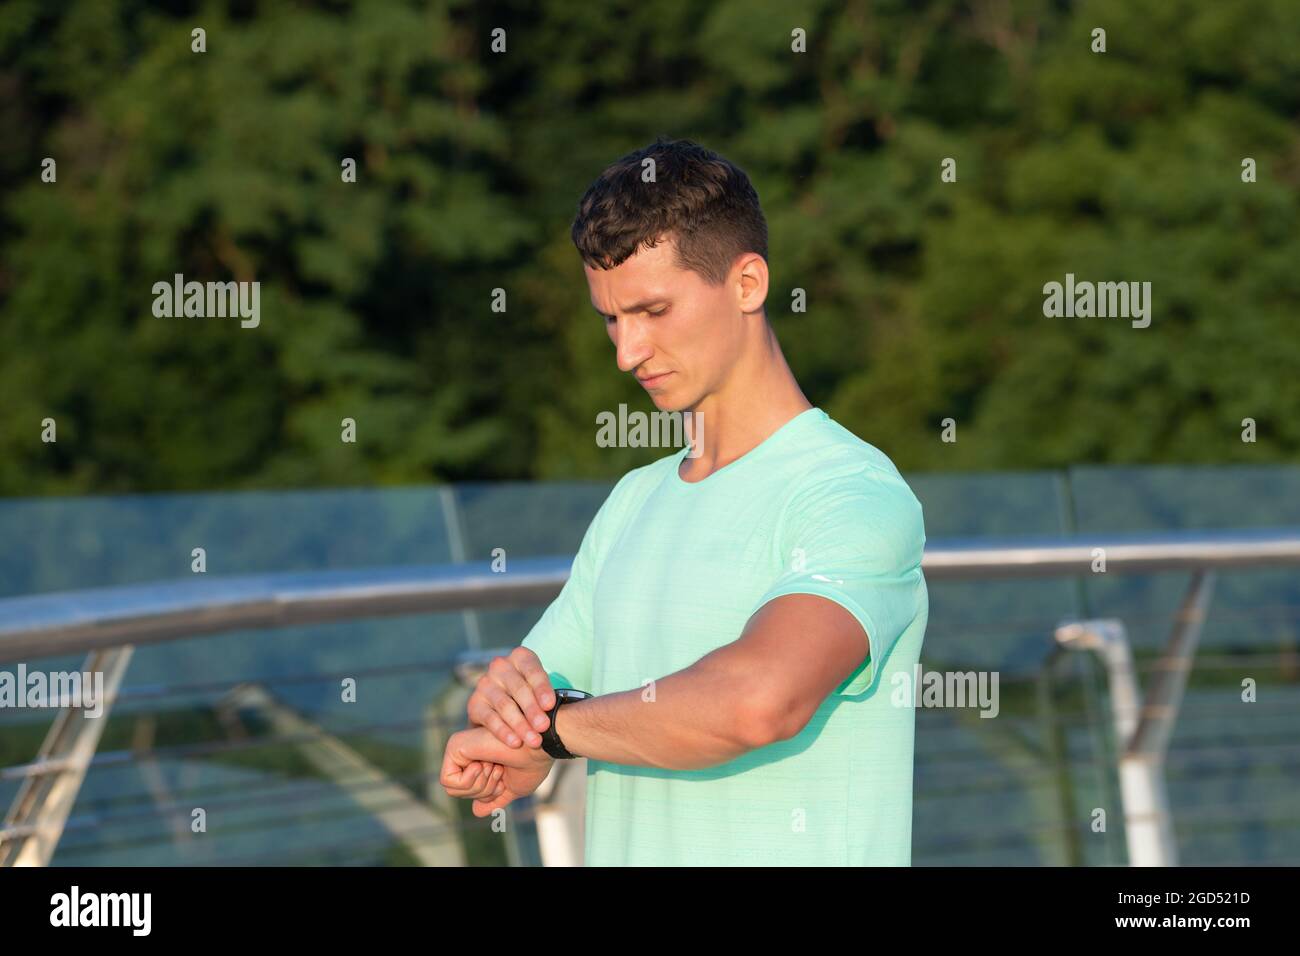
{"points": [[483, 712], [461, 776], [483, 784], [503, 704], [483, 808], [522, 693], [487, 784], [530, 665], [460, 781]]}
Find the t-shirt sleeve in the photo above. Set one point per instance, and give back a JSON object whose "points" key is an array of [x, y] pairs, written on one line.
{"points": [[564, 636], [857, 539]]}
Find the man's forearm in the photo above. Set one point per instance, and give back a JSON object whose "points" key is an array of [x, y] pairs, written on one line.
{"points": [[699, 717]]}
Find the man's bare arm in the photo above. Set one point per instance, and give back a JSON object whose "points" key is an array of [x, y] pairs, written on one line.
{"points": [[759, 689]]}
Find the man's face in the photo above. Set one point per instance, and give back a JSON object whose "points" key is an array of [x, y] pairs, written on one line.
{"points": [[677, 334]]}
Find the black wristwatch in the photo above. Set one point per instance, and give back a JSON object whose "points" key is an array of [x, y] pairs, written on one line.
{"points": [[551, 742]]}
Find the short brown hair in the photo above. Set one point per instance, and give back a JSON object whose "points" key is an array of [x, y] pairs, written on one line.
{"points": [[704, 203]]}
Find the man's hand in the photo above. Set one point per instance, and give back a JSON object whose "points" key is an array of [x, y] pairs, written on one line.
{"points": [[521, 770], [512, 698], [475, 779]]}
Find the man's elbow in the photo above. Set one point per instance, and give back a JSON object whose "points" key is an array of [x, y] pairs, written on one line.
{"points": [[760, 721]]}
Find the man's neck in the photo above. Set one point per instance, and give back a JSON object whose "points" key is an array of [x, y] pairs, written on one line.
{"points": [[757, 401]]}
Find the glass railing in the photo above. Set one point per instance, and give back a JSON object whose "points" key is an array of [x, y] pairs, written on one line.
{"points": [[1021, 789]]}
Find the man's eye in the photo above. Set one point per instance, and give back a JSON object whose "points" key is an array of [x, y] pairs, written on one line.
{"points": [[656, 314]]}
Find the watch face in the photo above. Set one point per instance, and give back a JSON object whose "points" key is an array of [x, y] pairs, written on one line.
{"points": [[569, 694]]}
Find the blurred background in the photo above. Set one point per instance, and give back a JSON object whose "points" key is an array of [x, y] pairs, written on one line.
{"points": [[475, 428]]}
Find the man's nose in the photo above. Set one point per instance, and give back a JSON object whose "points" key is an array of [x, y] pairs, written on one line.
{"points": [[631, 345]]}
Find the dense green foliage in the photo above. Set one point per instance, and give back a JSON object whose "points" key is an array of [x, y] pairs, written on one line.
{"points": [[924, 297]]}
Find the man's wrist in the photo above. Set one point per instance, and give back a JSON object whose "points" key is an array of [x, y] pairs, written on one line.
{"points": [[564, 722], [563, 746]]}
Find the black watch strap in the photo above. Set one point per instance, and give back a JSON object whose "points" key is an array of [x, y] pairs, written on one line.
{"points": [[551, 742]]}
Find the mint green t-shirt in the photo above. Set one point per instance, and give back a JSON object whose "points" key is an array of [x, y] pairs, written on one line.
{"points": [[670, 570]]}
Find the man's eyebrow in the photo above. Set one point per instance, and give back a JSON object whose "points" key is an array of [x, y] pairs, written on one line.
{"points": [[637, 307]]}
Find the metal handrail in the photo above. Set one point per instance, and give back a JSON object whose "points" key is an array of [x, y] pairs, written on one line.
{"points": [[46, 625]]}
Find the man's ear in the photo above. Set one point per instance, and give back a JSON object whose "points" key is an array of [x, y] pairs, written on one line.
{"points": [[752, 278]]}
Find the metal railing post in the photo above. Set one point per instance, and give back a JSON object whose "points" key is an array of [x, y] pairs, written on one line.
{"points": [[40, 809], [1142, 732]]}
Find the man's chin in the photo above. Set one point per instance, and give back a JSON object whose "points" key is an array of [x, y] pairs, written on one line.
{"points": [[666, 403], [676, 398]]}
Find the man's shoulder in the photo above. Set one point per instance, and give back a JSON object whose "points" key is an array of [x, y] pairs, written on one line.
{"points": [[830, 454], [837, 481]]}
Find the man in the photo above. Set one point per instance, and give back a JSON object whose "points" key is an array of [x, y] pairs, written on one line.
{"points": [[737, 608]]}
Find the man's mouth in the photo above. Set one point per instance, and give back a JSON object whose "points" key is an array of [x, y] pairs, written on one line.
{"points": [[650, 381]]}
